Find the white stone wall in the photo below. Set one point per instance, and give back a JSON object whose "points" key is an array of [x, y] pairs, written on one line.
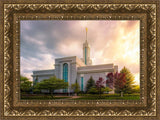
{"points": [[76, 69], [57, 70], [40, 77], [72, 69], [86, 77], [43, 74]]}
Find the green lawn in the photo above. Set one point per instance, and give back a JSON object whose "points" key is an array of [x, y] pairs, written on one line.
{"points": [[134, 97], [110, 97], [84, 97], [42, 97]]}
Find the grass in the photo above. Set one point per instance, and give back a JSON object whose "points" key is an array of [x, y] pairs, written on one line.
{"points": [[45, 97], [84, 97], [133, 97]]}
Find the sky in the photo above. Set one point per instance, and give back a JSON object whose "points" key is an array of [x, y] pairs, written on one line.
{"points": [[111, 41]]}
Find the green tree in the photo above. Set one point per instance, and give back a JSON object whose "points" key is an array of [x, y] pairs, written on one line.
{"points": [[93, 90], [35, 81], [36, 90], [128, 88], [51, 84], [25, 84], [136, 89], [106, 89], [75, 87], [90, 83]]}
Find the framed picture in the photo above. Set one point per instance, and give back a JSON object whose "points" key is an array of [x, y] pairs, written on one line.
{"points": [[80, 60], [92, 77]]}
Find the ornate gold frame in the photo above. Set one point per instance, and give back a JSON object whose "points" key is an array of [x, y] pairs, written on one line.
{"points": [[14, 11]]}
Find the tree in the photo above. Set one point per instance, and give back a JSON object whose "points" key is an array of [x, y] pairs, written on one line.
{"points": [[106, 89], [128, 88], [99, 85], [35, 81], [93, 90], [110, 80], [52, 84], [90, 83], [116, 81], [120, 82], [136, 89], [75, 87], [25, 84]]}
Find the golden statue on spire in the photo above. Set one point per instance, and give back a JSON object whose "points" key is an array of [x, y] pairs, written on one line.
{"points": [[86, 29]]}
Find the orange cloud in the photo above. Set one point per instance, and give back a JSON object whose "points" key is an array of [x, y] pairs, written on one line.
{"points": [[111, 41]]}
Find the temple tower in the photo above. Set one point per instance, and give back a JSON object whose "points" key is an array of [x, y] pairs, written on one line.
{"points": [[86, 52]]}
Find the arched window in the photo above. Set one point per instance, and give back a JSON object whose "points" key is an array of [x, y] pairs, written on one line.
{"points": [[65, 74]]}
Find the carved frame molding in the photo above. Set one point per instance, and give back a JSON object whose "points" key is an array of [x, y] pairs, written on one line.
{"points": [[13, 13]]}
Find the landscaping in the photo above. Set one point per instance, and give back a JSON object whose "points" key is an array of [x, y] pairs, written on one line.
{"points": [[110, 97], [118, 86], [83, 97]]}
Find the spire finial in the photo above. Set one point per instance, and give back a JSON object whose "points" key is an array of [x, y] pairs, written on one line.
{"points": [[86, 33]]}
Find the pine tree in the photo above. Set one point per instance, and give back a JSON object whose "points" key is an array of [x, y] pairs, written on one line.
{"points": [[128, 88], [90, 83]]}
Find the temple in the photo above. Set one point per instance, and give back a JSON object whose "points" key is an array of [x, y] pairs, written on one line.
{"points": [[72, 68]]}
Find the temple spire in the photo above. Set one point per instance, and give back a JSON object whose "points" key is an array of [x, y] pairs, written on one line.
{"points": [[86, 51], [86, 33]]}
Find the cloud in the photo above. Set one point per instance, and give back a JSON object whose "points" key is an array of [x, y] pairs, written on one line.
{"points": [[111, 41], [30, 64]]}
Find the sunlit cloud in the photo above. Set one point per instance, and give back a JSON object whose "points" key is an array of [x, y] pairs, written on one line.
{"points": [[111, 41]]}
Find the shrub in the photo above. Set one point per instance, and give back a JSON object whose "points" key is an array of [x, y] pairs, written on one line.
{"points": [[93, 90]]}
